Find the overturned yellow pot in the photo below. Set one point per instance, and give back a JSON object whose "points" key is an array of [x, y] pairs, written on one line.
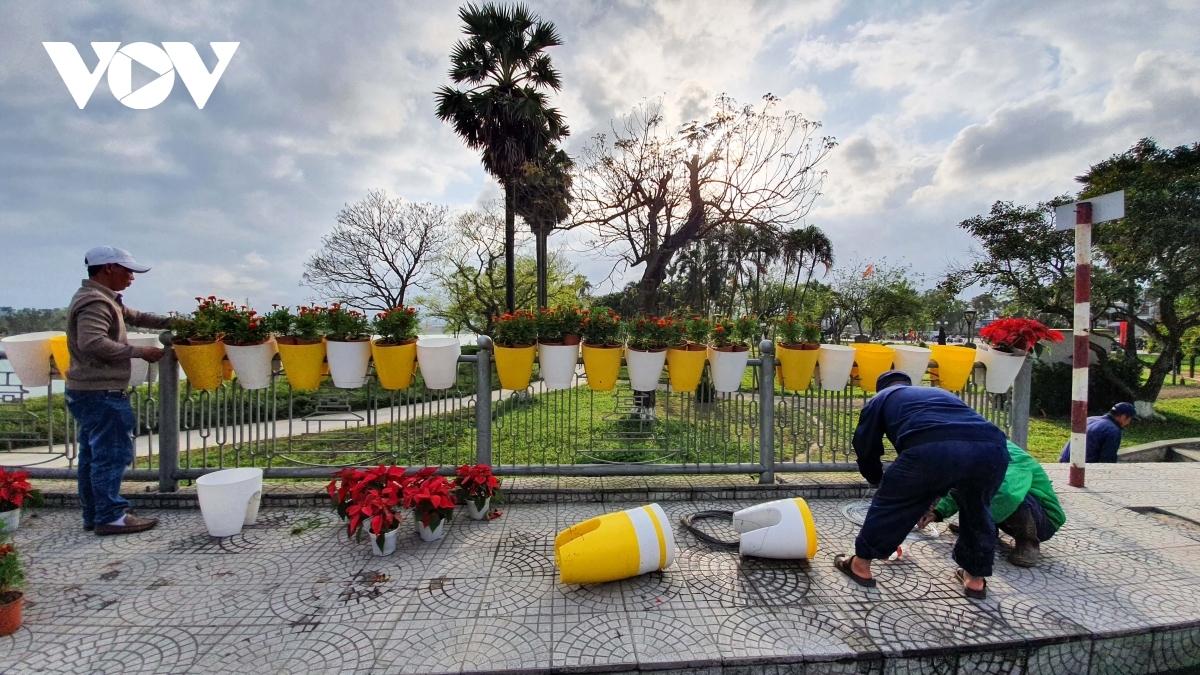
{"points": [[873, 360], [796, 366], [394, 364], [303, 364], [685, 367], [602, 365], [514, 365], [203, 364], [954, 366], [615, 546]]}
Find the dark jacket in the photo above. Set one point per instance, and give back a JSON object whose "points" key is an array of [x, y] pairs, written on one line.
{"points": [[1103, 441], [911, 416], [96, 338]]}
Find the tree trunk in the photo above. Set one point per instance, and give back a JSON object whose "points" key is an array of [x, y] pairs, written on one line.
{"points": [[542, 291], [510, 244]]}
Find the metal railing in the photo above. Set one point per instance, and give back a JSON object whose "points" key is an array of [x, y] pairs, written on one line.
{"points": [[760, 429]]}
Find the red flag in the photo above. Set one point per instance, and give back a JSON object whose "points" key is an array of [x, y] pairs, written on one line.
{"points": [[870, 270]]}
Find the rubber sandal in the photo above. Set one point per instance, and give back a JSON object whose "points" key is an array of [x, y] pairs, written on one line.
{"points": [[842, 562], [980, 594]]}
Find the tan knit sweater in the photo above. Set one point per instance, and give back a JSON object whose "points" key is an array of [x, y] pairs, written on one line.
{"points": [[96, 338]]}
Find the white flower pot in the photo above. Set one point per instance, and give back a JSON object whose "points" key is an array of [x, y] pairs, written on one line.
{"points": [[11, 520], [252, 364], [229, 499], [348, 362], [557, 364], [434, 534], [389, 542], [1002, 368], [728, 368], [836, 362], [438, 360], [139, 369], [644, 368], [912, 360], [29, 356], [478, 514]]}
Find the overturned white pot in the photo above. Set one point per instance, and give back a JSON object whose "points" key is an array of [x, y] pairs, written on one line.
{"points": [[557, 365], [348, 362], [1002, 368], [914, 361], [29, 356], [252, 363], [644, 368], [836, 362], [438, 360], [728, 369], [229, 499]]}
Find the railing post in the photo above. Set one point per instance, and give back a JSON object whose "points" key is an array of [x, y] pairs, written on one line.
{"points": [[1022, 395], [483, 401], [766, 412], [168, 417]]}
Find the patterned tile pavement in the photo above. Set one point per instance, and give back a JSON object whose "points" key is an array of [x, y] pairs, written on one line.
{"points": [[1118, 591]]}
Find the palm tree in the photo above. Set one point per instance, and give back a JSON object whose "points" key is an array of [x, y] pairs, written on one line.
{"points": [[807, 244], [503, 113]]}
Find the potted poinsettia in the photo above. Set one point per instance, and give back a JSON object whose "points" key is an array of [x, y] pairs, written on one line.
{"points": [[249, 346], [600, 330], [557, 358], [797, 344], [476, 485], [730, 350], [646, 349], [1009, 341], [11, 577], [301, 345], [515, 337], [197, 342], [432, 502], [687, 352], [395, 350], [347, 346], [16, 495], [377, 510]]}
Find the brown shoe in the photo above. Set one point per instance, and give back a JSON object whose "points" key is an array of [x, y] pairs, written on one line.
{"points": [[132, 524]]}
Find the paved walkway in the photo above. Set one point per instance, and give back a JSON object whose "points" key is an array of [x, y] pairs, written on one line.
{"points": [[1118, 591]]}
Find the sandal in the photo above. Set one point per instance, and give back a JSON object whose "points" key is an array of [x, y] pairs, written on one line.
{"points": [[980, 594], [842, 562]]}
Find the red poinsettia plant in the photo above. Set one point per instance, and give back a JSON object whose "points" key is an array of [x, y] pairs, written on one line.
{"points": [[432, 501], [476, 483], [16, 492], [1017, 336], [378, 509]]}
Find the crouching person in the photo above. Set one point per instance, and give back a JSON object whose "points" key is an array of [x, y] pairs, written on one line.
{"points": [[941, 444], [1025, 507]]}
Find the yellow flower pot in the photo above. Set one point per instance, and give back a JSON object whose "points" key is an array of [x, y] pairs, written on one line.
{"points": [[394, 364], [615, 546], [62, 356], [954, 366], [796, 366], [602, 366], [303, 365], [514, 365], [204, 364], [685, 366], [873, 361]]}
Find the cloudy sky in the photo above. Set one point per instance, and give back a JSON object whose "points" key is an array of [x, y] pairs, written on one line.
{"points": [[939, 109]]}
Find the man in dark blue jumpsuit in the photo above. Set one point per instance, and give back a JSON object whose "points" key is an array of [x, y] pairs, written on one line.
{"points": [[941, 443]]}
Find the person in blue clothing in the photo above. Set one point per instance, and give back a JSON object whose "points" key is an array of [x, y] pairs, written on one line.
{"points": [[941, 444], [1104, 435]]}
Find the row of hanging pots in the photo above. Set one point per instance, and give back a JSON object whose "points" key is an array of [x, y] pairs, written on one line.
{"points": [[30, 355], [865, 362]]}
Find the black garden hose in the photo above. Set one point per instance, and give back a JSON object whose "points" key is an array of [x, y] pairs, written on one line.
{"points": [[687, 520]]}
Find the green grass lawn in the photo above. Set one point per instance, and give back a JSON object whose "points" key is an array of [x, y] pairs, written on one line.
{"points": [[1047, 436]]}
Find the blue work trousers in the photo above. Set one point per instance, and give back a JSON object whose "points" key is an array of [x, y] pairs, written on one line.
{"points": [[106, 422], [924, 473]]}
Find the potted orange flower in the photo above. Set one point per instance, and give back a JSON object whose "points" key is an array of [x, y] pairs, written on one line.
{"points": [[250, 348], [11, 577], [198, 345], [688, 352], [301, 345], [730, 350], [395, 350], [646, 349], [515, 337], [600, 329], [796, 346], [557, 357]]}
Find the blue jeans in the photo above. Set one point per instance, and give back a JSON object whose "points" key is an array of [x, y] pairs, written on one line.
{"points": [[106, 423], [1045, 528], [924, 473]]}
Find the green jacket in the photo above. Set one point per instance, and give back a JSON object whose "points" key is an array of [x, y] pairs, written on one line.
{"points": [[1024, 476]]}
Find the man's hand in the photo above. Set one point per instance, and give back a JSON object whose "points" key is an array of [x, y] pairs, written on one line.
{"points": [[926, 519], [152, 354]]}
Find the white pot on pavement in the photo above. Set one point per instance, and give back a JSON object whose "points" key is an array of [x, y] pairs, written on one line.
{"points": [[434, 534], [11, 520], [389, 542], [477, 513]]}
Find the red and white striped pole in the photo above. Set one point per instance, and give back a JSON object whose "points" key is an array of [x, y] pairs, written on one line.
{"points": [[1083, 337]]}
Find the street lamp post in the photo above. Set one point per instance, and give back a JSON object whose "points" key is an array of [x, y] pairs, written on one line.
{"points": [[969, 315]]}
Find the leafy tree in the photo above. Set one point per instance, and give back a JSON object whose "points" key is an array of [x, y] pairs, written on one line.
{"points": [[650, 193], [543, 200], [379, 249], [504, 113], [808, 244], [29, 320], [877, 297]]}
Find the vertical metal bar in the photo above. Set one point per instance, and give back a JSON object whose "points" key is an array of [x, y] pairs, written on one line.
{"points": [[1021, 396], [766, 413], [483, 402], [168, 417], [1083, 337]]}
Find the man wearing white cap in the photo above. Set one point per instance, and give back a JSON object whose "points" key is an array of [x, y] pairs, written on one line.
{"points": [[96, 382]]}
